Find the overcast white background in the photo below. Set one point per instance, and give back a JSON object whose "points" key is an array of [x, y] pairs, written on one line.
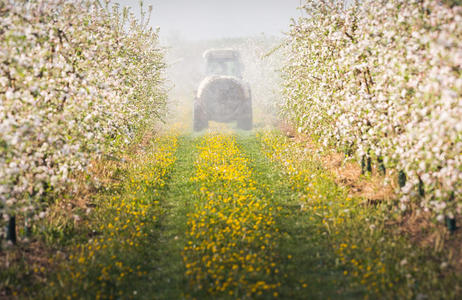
{"points": [[209, 19]]}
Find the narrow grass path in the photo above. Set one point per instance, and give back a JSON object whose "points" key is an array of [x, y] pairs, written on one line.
{"points": [[231, 230], [168, 278]]}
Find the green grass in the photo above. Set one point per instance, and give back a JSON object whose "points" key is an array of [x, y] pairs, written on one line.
{"points": [[128, 253], [307, 260], [328, 246], [377, 258], [168, 278]]}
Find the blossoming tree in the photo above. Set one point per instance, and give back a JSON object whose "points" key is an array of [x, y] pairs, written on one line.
{"points": [[77, 80], [382, 79]]}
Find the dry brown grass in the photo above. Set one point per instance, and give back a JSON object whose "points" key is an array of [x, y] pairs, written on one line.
{"points": [[423, 231], [31, 259], [36, 260], [372, 189]]}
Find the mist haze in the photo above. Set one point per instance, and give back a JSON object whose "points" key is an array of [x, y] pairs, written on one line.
{"points": [[188, 28], [186, 69], [212, 19]]}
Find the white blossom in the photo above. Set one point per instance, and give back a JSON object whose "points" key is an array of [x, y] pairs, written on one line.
{"points": [[382, 78], [75, 78]]}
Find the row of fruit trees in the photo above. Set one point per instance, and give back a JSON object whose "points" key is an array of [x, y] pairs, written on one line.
{"points": [[382, 81], [78, 80]]}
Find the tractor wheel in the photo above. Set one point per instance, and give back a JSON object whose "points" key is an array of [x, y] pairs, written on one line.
{"points": [[244, 122], [200, 121]]}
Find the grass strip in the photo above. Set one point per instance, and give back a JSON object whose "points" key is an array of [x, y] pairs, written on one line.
{"points": [[168, 279], [117, 260], [229, 252]]}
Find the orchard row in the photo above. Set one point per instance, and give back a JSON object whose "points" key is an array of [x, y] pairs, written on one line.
{"points": [[381, 80], [77, 83]]}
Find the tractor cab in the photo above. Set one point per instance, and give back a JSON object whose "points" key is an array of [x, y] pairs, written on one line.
{"points": [[224, 62]]}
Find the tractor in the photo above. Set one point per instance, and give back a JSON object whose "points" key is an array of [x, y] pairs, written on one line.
{"points": [[222, 95]]}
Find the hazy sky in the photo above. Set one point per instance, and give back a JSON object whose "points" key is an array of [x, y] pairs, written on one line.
{"points": [[206, 19]]}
